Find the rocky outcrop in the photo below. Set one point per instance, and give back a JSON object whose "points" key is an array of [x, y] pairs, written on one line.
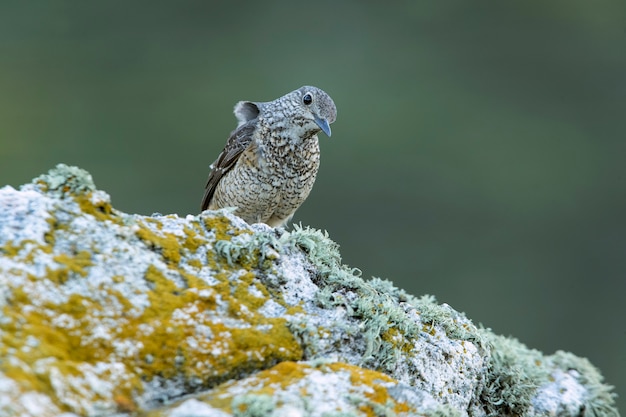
{"points": [[110, 313]]}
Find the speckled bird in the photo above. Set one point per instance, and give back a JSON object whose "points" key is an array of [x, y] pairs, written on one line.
{"points": [[270, 161]]}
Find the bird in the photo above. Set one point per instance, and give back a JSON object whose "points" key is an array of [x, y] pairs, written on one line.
{"points": [[270, 161]]}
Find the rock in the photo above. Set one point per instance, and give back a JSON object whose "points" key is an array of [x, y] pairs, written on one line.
{"points": [[107, 313]]}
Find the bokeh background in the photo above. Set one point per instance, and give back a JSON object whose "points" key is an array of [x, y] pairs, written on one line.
{"points": [[478, 155]]}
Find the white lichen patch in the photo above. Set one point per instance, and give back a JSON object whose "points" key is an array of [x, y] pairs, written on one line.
{"points": [[23, 215], [564, 385], [193, 407]]}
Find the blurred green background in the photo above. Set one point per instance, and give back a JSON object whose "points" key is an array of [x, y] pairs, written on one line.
{"points": [[478, 154]]}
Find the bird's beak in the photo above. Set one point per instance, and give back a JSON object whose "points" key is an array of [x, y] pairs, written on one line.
{"points": [[323, 124]]}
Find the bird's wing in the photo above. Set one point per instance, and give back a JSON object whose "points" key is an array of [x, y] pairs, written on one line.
{"points": [[238, 141]]}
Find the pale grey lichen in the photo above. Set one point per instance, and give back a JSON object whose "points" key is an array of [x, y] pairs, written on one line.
{"points": [[253, 405], [64, 180]]}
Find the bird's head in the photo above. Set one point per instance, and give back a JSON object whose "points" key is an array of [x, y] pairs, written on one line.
{"points": [[307, 110], [315, 107]]}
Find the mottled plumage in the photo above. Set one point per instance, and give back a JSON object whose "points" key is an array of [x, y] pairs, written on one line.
{"points": [[269, 163]]}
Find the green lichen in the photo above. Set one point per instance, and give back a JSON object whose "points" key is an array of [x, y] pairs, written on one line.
{"points": [[253, 405], [513, 376], [444, 410], [516, 373], [253, 252], [258, 250], [64, 180], [387, 330], [600, 398]]}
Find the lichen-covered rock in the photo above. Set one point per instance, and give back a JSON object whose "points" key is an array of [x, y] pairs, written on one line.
{"points": [[104, 312], [319, 389]]}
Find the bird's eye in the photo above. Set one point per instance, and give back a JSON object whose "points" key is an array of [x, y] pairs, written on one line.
{"points": [[307, 99]]}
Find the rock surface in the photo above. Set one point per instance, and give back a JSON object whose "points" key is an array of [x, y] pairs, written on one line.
{"points": [[106, 313]]}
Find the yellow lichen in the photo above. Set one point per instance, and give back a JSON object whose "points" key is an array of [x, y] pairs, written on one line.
{"points": [[192, 240], [9, 250], [167, 243], [49, 235], [195, 263], [101, 210], [164, 333], [76, 263], [238, 348], [222, 227], [32, 336], [378, 394], [117, 279]]}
